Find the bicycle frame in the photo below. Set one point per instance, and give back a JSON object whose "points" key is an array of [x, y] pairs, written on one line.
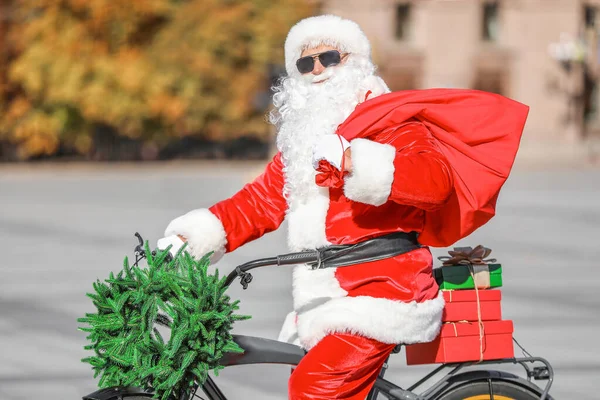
{"points": [[267, 351], [277, 352], [255, 355]]}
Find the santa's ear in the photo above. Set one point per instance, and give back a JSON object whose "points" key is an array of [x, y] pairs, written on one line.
{"points": [[372, 86]]}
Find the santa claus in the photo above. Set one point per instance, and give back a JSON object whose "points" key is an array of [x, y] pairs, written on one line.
{"points": [[363, 172]]}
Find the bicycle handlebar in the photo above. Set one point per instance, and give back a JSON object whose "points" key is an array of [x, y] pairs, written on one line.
{"points": [[298, 258], [284, 259], [302, 257]]}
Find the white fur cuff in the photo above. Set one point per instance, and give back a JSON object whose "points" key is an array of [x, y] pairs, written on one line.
{"points": [[372, 172], [204, 233]]}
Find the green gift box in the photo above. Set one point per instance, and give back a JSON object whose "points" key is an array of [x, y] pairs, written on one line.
{"points": [[456, 277]]}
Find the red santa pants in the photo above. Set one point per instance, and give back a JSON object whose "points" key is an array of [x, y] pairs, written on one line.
{"points": [[340, 366]]}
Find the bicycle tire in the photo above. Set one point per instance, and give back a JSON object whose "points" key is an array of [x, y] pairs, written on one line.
{"points": [[502, 390]]}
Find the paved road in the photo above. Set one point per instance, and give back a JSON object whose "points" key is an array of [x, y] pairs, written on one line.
{"points": [[63, 227]]}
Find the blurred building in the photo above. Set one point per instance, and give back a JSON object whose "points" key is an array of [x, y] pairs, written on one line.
{"points": [[540, 52]]}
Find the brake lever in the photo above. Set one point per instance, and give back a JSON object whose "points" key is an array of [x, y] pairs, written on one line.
{"points": [[139, 249], [245, 277], [141, 252]]}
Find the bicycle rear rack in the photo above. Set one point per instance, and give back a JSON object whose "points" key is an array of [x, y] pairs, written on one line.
{"points": [[544, 372]]}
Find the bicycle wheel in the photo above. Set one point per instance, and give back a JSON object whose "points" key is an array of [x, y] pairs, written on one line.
{"points": [[502, 390]]}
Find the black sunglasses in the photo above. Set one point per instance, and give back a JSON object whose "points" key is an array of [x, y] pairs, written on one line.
{"points": [[327, 59]]}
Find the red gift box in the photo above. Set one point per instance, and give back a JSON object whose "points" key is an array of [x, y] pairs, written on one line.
{"points": [[461, 305], [459, 341]]}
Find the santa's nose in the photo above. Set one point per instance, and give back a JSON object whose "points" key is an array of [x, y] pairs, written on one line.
{"points": [[319, 68]]}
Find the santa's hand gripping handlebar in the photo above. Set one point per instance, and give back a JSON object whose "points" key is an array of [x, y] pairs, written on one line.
{"points": [[242, 270]]}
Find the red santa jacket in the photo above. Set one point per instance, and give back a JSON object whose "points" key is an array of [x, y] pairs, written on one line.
{"points": [[398, 175], [401, 175]]}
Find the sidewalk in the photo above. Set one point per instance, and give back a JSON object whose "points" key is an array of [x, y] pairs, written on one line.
{"points": [[534, 155]]}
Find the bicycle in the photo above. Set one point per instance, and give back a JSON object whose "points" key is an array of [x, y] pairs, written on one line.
{"points": [[470, 385]]}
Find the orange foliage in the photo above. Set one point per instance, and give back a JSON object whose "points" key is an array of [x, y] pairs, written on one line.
{"points": [[155, 70]]}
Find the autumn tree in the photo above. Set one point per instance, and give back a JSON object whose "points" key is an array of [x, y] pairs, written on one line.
{"points": [[151, 70]]}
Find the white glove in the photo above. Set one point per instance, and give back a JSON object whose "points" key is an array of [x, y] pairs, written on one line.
{"points": [[173, 240], [331, 149]]}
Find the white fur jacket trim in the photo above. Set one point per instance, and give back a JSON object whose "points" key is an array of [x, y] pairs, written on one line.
{"points": [[372, 172], [385, 320]]}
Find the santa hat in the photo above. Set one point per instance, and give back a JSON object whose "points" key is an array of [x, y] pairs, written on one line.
{"points": [[330, 30]]}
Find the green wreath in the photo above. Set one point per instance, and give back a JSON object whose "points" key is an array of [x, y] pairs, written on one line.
{"points": [[180, 295]]}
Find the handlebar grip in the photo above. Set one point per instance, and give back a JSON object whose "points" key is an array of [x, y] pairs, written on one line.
{"points": [[298, 258]]}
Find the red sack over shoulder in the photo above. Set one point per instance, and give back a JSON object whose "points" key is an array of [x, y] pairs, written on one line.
{"points": [[479, 134]]}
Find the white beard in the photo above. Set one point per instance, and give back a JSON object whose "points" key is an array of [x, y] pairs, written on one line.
{"points": [[305, 112]]}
